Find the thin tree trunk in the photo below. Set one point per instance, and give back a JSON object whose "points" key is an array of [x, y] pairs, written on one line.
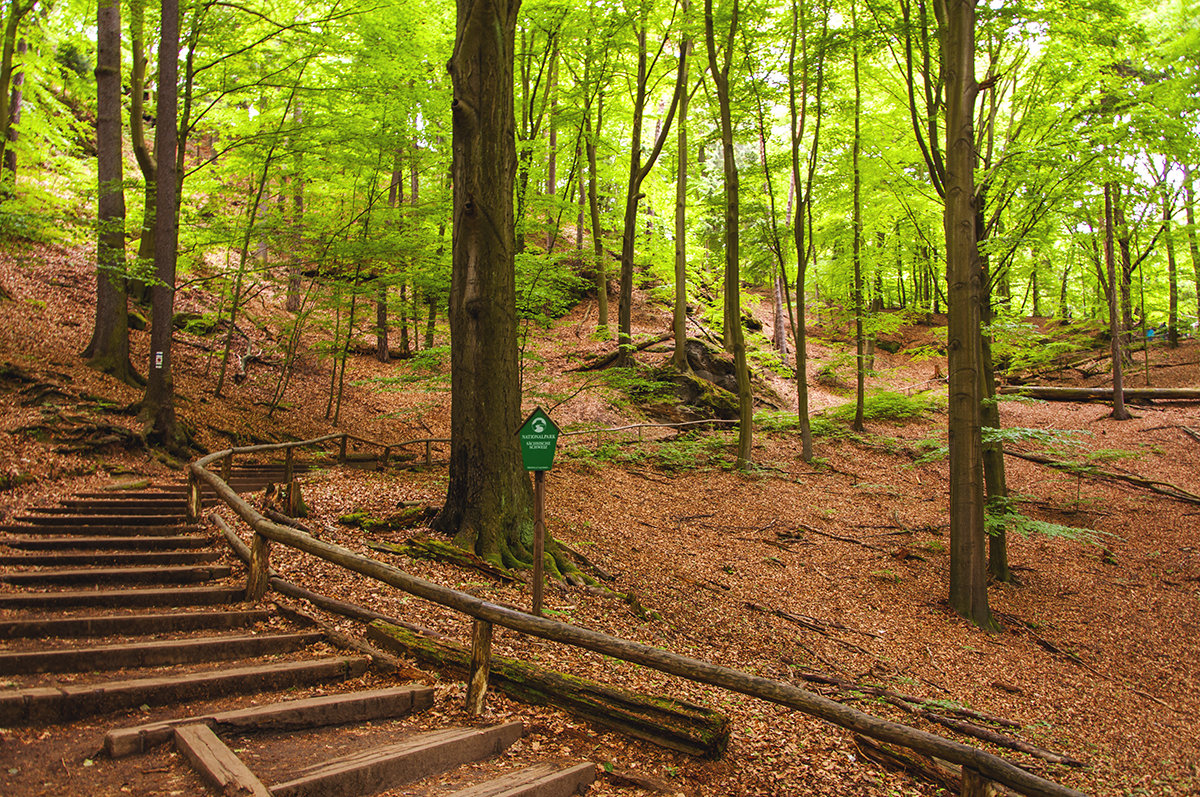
{"points": [[1172, 279], [679, 319], [292, 304], [1189, 207], [1119, 412], [14, 127], [860, 361], [736, 337], [139, 286], [601, 263]]}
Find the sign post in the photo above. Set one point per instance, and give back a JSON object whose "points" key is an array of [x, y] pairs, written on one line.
{"points": [[539, 439]]}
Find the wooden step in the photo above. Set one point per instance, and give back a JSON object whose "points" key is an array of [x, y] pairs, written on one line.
{"points": [[175, 508], [39, 542], [98, 625], [540, 780], [310, 712], [77, 559], [43, 705], [181, 574], [164, 519], [109, 529], [414, 758], [158, 653], [167, 501], [215, 763], [169, 596]]}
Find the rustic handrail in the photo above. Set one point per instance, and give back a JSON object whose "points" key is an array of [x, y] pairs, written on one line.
{"points": [[990, 766]]}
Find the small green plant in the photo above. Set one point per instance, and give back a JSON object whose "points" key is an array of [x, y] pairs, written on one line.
{"points": [[886, 576], [1001, 515], [886, 405]]}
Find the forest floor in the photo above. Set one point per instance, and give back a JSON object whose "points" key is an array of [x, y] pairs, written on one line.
{"points": [[836, 568]]}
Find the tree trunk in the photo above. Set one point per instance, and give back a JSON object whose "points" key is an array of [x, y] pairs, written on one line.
{"points": [[158, 406], [1114, 330], [292, 302], [18, 82], [968, 565], [16, 12], [1172, 279], [489, 500], [733, 302], [381, 320], [108, 351], [1189, 206], [594, 210], [860, 361], [638, 172], [679, 319]]}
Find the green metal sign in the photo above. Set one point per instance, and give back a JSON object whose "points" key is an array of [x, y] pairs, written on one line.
{"points": [[539, 439]]}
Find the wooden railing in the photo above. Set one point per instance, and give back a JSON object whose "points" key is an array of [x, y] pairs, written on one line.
{"points": [[978, 766]]}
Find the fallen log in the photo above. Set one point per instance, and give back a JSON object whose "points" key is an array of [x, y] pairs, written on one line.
{"points": [[609, 359], [668, 723], [1051, 393], [423, 547]]}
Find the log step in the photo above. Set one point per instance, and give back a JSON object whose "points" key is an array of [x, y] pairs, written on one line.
{"points": [[45, 543], [103, 505], [215, 763], [42, 705], [540, 780], [173, 510], [107, 529], [164, 519], [310, 712], [159, 653], [414, 758], [128, 624], [181, 574], [110, 558], [173, 596]]}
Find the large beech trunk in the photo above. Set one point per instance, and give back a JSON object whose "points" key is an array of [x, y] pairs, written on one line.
{"points": [[489, 500], [108, 351], [673, 724], [968, 549]]}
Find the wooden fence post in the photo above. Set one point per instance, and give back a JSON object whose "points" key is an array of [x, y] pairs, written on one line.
{"points": [[289, 465], [428, 453], [481, 665], [342, 450], [193, 496], [260, 568], [383, 461], [227, 467]]}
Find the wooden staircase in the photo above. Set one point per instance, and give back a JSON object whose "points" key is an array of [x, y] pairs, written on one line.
{"points": [[111, 603]]}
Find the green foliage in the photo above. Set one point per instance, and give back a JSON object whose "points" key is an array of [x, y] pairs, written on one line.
{"points": [[886, 405], [1050, 438], [640, 385], [1002, 515], [1018, 345]]}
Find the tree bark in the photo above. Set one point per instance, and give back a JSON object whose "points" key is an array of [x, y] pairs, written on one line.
{"points": [[1189, 207], [158, 405], [638, 171], [860, 358], [14, 114], [968, 565], [679, 317], [108, 350], [733, 303], [139, 286], [1172, 278], [594, 211], [489, 500], [1114, 329]]}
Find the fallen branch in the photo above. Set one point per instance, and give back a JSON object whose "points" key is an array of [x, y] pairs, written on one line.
{"points": [[1048, 393], [1162, 488], [609, 359], [832, 536]]}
